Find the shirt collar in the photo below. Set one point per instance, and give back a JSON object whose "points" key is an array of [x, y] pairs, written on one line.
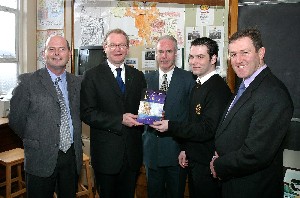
{"points": [[53, 76], [247, 81], [206, 77], [169, 73], [113, 67]]}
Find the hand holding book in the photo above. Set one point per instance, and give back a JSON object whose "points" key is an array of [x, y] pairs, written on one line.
{"points": [[151, 106]]}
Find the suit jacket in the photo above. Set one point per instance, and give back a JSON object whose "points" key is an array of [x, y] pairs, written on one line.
{"points": [[208, 103], [35, 117], [249, 140], [161, 149], [102, 108]]}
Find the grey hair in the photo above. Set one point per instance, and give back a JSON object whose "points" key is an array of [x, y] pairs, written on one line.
{"points": [[169, 37]]}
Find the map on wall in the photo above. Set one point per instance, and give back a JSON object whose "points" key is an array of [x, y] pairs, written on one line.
{"points": [[144, 22], [50, 14]]}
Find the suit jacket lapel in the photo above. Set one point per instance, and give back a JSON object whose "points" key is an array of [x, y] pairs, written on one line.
{"points": [[72, 89], [129, 79], [174, 88], [153, 81], [108, 76], [242, 100], [47, 83]]}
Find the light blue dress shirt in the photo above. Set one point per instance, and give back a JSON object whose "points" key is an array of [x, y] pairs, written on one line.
{"points": [[64, 89]]}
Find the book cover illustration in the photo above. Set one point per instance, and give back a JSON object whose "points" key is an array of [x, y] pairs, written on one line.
{"points": [[151, 106]]}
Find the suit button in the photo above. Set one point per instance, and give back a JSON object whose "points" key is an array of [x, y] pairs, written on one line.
{"points": [[58, 125]]}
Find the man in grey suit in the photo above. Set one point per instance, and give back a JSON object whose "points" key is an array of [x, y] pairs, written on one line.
{"points": [[161, 151], [37, 106], [249, 142]]}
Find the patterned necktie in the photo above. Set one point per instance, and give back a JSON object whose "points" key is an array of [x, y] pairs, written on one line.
{"points": [[119, 80], [65, 134], [164, 84]]}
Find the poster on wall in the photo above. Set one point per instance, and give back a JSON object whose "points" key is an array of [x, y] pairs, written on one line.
{"points": [[205, 15], [144, 22], [191, 33], [217, 33], [148, 59], [133, 62], [41, 37], [50, 14]]}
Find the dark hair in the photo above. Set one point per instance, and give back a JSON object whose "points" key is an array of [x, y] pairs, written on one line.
{"points": [[211, 45], [169, 37], [116, 31], [252, 33]]}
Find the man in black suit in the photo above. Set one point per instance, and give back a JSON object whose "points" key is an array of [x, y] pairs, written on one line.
{"points": [[208, 101], [161, 151], [35, 115], [116, 138], [249, 149]]}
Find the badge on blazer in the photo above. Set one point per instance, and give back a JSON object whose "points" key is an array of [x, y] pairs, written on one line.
{"points": [[198, 109]]}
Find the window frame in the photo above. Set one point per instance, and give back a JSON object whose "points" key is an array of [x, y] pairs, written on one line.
{"points": [[15, 61], [16, 12]]}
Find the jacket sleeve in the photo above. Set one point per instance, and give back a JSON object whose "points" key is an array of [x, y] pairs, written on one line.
{"points": [[19, 105], [212, 108], [261, 139]]}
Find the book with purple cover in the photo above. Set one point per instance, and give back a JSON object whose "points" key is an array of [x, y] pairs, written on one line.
{"points": [[151, 106]]}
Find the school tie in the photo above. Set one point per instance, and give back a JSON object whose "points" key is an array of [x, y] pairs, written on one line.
{"points": [[164, 85], [65, 133], [119, 80], [198, 83]]}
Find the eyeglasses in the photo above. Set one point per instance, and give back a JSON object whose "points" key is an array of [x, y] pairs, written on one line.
{"points": [[114, 46]]}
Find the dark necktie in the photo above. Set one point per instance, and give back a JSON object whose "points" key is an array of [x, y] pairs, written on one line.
{"points": [[198, 83], [164, 84], [65, 133], [119, 80]]}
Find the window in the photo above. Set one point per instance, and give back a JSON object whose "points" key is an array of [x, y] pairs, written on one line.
{"points": [[9, 44]]}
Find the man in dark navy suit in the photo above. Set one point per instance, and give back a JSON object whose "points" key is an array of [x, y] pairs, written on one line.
{"points": [[249, 149], [161, 151], [109, 105]]}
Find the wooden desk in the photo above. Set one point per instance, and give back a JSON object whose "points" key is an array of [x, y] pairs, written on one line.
{"points": [[3, 121], [8, 140]]}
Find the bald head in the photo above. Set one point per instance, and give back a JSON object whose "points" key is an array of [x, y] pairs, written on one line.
{"points": [[57, 54]]}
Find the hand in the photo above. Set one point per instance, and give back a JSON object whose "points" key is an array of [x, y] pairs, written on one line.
{"points": [[211, 165], [129, 120], [161, 126], [183, 162]]}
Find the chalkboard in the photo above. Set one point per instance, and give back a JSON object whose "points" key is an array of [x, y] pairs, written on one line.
{"points": [[280, 28]]}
